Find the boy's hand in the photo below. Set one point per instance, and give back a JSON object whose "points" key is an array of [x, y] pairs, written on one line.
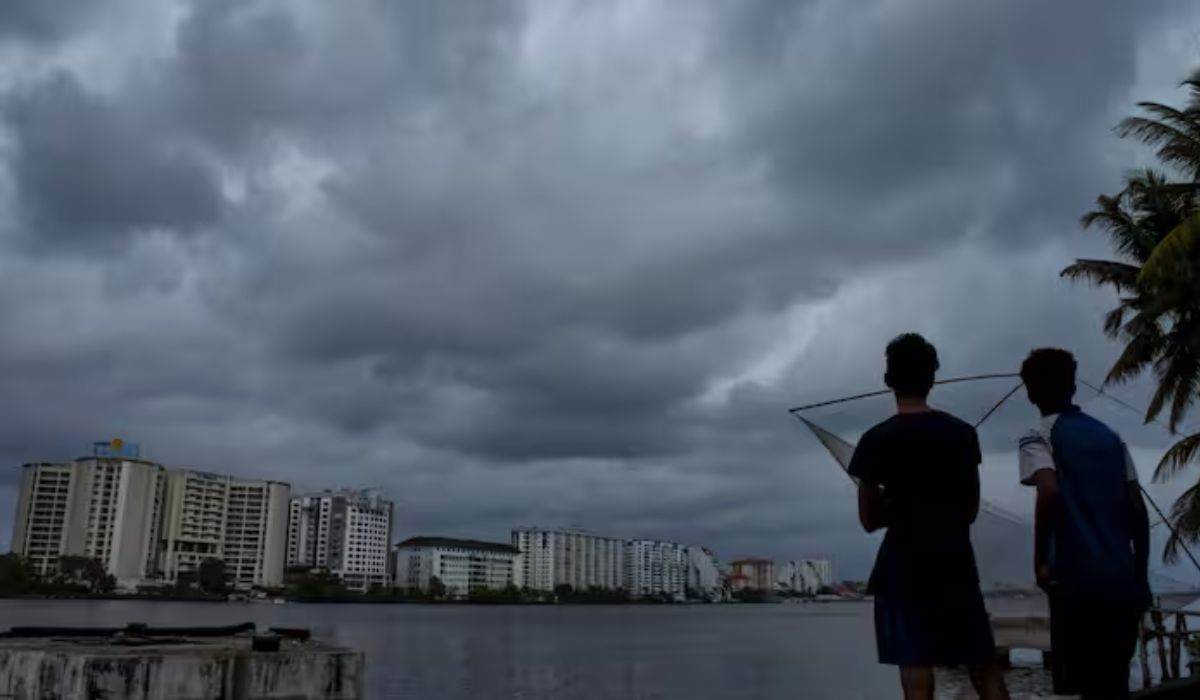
{"points": [[1041, 571]]}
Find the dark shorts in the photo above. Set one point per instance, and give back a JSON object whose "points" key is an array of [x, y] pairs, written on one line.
{"points": [[950, 630], [1093, 643]]}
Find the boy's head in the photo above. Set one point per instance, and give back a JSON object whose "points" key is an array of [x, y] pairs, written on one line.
{"points": [[911, 363], [1049, 377]]}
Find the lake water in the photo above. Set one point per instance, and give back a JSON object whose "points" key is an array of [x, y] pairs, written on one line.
{"points": [[449, 652]]}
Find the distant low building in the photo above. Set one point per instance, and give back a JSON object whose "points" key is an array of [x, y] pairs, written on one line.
{"points": [[752, 574], [461, 565]]}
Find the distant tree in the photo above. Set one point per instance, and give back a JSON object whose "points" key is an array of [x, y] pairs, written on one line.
{"points": [[319, 584], [212, 576], [508, 594], [16, 575], [88, 572], [437, 589]]}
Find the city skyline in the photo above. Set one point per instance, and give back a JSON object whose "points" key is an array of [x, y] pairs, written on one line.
{"points": [[149, 524]]}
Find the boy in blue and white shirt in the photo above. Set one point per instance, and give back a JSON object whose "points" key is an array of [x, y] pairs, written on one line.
{"points": [[1091, 533]]}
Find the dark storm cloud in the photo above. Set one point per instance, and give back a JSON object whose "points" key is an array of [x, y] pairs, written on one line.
{"points": [[41, 20], [553, 263], [958, 118], [248, 70], [87, 169]]}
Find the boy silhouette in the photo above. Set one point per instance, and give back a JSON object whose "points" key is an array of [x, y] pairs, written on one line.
{"points": [[918, 475]]}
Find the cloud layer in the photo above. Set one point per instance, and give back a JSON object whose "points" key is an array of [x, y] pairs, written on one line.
{"points": [[546, 262]]}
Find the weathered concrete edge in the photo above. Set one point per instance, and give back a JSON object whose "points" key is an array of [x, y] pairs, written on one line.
{"points": [[1172, 690]]}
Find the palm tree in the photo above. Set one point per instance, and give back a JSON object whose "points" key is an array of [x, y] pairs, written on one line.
{"points": [[1154, 224]]}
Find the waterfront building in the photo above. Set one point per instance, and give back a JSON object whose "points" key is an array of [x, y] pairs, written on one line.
{"points": [[807, 576], [704, 574], [347, 533], [256, 532], [752, 574], [146, 523], [461, 565], [105, 506], [242, 522], [550, 558], [653, 567]]}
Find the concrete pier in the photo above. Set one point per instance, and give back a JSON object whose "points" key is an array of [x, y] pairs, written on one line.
{"points": [[141, 666]]}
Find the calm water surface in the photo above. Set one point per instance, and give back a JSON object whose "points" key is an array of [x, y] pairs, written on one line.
{"points": [[747, 652]]}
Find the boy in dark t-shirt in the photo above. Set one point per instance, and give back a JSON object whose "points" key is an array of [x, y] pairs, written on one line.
{"points": [[918, 474]]}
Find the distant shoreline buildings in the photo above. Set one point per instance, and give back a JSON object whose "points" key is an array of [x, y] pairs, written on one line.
{"points": [[149, 525]]}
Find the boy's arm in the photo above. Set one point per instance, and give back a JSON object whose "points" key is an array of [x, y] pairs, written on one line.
{"points": [[865, 468], [1037, 470], [1046, 481], [1139, 528], [973, 496], [1139, 522], [872, 512]]}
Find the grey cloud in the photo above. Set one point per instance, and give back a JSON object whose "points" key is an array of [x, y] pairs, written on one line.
{"points": [[42, 20], [513, 287], [248, 71], [88, 169], [988, 116]]}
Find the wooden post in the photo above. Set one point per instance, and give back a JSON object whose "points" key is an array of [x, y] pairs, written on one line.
{"points": [[1144, 653], [1160, 631], [1177, 641]]}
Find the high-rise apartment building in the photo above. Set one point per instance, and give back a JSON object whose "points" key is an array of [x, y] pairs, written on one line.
{"points": [[550, 558], [653, 567], [256, 525], [49, 500], [193, 529], [145, 523], [239, 521], [348, 533], [106, 507]]}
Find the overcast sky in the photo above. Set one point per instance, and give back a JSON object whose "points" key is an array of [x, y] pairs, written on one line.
{"points": [[556, 263]]}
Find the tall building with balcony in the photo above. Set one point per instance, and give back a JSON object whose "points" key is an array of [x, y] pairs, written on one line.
{"points": [[346, 532], [146, 523], [106, 506], [551, 558], [256, 531], [196, 506], [461, 565], [51, 504], [653, 567]]}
